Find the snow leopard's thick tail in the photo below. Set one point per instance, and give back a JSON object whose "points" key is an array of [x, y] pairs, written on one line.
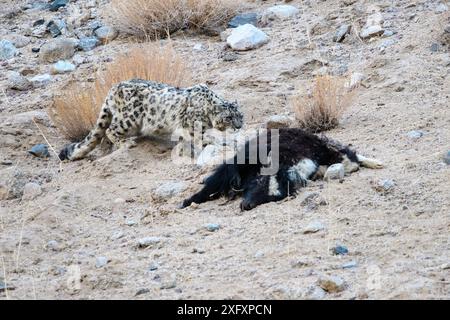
{"points": [[75, 151]]}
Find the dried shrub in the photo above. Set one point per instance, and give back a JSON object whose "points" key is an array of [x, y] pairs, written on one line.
{"points": [[159, 18], [322, 109], [75, 111]]}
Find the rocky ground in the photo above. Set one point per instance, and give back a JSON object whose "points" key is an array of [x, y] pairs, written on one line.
{"points": [[107, 227]]}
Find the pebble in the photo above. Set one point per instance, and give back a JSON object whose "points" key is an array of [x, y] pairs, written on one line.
{"points": [[31, 190], [441, 8], [314, 293], [56, 27], [212, 227], [53, 245], [117, 235], [335, 171], [415, 134], [153, 266], [247, 37], [18, 82], [5, 287], [355, 79], [447, 158], [106, 34], [371, 31], [142, 291], [385, 185], [41, 80], [88, 43], [100, 262], [332, 284], [339, 250], [19, 41], [349, 265], [62, 67], [342, 32], [241, 19], [7, 50], [55, 5], [148, 241], [40, 151], [313, 227]]}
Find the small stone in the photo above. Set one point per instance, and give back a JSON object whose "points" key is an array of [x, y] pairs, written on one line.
{"points": [[314, 293], [142, 291], [385, 185], [279, 121], [299, 264], [415, 134], [130, 222], [169, 189], [58, 49], [53, 245], [40, 151], [56, 27], [88, 43], [445, 266], [441, 8], [335, 171], [153, 266], [117, 235], [212, 227], [349, 265], [313, 227], [41, 80], [169, 284], [342, 32], [332, 284], [371, 31], [356, 79], [31, 190], [241, 19], [106, 34], [388, 33], [259, 254], [435, 47], [447, 158], [7, 50], [55, 5], [339, 250], [35, 50], [62, 67], [18, 82], [229, 56], [247, 37], [100, 262], [148, 242], [198, 47], [5, 287], [281, 12], [211, 154]]}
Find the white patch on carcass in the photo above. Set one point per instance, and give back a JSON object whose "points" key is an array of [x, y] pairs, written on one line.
{"points": [[274, 188], [302, 170]]}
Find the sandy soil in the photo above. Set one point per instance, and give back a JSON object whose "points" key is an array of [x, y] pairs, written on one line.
{"points": [[399, 239]]}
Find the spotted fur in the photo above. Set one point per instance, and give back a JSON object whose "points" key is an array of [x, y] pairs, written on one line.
{"points": [[139, 107]]}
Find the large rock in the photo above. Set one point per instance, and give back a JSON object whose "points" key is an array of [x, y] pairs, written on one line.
{"points": [[7, 50], [18, 82], [106, 34], [373, 26], [342, 32], [88, 43], [281, 12], [247, 37], [332, 284], [41, 80], [59, 49]]}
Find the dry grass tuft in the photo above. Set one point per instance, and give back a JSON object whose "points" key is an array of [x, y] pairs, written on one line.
{"points": [[75, 111], [159, 18], [322, 109]]}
